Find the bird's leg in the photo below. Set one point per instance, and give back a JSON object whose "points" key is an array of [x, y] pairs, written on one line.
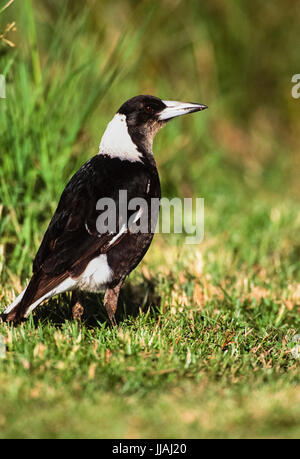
{"points": [[77, 308], [111, 302]]}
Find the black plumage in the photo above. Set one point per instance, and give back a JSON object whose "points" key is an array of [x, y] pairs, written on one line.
{"points": [[72, 239]]}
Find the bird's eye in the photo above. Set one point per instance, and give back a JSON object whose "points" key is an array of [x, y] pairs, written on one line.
{"points": [[149, 109]]}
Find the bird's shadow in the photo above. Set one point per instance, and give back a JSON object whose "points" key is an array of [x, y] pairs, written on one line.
{"points": [[134, 298]]}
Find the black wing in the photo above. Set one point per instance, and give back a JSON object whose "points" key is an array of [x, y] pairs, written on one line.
{"points": [[72, 236]]}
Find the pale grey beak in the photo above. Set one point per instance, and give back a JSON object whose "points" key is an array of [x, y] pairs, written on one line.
{"points": [[174, 108]]}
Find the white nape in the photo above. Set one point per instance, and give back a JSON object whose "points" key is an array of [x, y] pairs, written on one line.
{"points": [[122, 231], [116, 141]]}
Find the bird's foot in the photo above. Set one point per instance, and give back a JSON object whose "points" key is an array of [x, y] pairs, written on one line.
{"points": [[111, 316], [77, 311]]}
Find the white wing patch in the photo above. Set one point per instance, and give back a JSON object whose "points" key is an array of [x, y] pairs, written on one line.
{"points": [[122, 231], [96, 275]]}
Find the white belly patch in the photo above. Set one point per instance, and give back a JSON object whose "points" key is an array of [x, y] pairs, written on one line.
{"points": [[96, 275]]}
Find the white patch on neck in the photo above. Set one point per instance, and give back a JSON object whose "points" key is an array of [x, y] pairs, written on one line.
{"points": [[116, 141]]}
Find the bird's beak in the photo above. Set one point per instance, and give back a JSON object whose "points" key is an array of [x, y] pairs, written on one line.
{"points": [[174, 108]]}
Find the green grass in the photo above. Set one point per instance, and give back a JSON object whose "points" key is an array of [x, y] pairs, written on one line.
{"points": [[203, 346], [221, 370]]}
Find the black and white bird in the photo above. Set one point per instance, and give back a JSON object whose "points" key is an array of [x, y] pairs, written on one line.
{"points": [[73, 255]]}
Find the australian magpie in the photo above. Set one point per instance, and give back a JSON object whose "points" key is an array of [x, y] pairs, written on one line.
{"points": [[73, 254]]}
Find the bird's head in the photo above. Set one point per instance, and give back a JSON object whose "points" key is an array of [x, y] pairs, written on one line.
{"points": [[140, 118]]}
